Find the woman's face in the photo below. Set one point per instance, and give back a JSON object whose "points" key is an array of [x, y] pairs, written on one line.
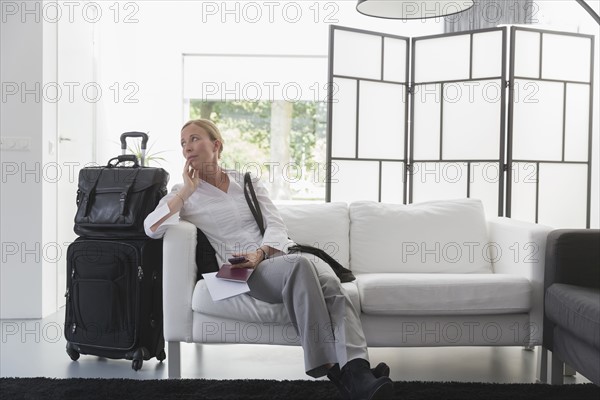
{"points": [[197, 147]]}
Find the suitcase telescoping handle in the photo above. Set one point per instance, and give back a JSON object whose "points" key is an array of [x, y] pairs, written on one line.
{"points": [[142, 135]]}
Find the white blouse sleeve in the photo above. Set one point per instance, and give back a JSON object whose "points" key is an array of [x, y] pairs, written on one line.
{"points": [[276, 234], [159, 212]]}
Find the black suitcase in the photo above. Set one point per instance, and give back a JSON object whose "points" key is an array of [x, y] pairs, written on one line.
{"points": [[115, 199], [114, 271], [114, 299]]}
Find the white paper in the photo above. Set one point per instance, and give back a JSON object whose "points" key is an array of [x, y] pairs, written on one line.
{"points": [[220, 289]]}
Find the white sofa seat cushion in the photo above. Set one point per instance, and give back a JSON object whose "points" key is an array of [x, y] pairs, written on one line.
{"points": [[448, 236], [443, 294], [248, 309]]}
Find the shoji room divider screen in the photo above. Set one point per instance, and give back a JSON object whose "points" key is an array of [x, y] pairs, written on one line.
{"points": [[368, 116], [550, 127], [520, 143]]}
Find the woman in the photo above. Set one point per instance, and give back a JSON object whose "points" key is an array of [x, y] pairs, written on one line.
{"points": [[212, 198]]}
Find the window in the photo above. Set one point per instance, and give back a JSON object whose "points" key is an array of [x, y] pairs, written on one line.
{"points": [[272, 113], [283, 142]]}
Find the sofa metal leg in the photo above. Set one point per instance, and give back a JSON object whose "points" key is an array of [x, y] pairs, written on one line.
{"points": [[542, 365], [174, 360], [557, 370], [569, 371]]}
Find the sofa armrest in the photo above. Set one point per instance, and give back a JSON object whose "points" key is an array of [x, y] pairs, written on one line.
{"points": [[519, 248], [179, 280], [573, 257]]}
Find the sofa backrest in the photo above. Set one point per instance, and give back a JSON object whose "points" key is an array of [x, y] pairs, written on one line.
{"points": [[324, 225], [446, 236]]}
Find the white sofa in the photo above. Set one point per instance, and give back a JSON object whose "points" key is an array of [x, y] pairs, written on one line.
{"points": [[430, 274]]}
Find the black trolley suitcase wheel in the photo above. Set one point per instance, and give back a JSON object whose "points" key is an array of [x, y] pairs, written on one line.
{"points": [[74, 354], [139, 356], [137, 364]]}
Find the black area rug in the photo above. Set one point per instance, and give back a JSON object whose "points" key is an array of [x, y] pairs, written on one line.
{"points": [[130, 389]]}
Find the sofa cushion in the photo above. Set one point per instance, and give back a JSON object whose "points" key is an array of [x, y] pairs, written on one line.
{"points": [[242, 308], [576, 309], [248, 309], [443, 294], [324, 225], [448, 236]]}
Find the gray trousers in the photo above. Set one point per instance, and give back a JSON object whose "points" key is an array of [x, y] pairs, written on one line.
{"points": [[327, 323]]}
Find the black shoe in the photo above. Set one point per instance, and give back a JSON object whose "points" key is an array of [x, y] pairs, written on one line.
{"points": [[380, 370], [334, 374], [357, 382]]}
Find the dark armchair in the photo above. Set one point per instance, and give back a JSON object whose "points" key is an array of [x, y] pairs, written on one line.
{"points": [[572, 303]]}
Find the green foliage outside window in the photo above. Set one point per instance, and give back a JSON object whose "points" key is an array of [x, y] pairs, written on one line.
{"points": [[246, 128]]}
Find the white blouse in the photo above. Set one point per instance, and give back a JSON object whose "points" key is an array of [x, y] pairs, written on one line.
{"points": [[225, 217]]}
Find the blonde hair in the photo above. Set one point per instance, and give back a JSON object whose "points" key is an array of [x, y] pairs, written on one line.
{"points": [[210, 128]]}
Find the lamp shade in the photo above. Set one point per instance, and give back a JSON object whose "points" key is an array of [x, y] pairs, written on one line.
{"points": [[412, 9]]}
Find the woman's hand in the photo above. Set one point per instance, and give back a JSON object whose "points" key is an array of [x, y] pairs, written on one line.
{"points": [[191, 180], [253, 259]]}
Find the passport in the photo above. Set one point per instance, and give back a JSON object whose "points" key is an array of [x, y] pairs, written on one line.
{"points": [[234, 274]]}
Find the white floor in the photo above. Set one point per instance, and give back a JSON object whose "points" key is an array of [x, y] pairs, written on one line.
{"points": [[36, 348]]}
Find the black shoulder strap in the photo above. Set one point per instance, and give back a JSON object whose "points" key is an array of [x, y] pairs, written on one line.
{"points": [[344, 274], [253, 203]]}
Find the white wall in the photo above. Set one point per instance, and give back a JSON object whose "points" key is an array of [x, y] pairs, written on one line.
{"points": [[22, 293], [33, 256], [50, 250]]}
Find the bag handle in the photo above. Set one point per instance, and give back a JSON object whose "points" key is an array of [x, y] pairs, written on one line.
{"points": [[123, 158], [253, 204]]}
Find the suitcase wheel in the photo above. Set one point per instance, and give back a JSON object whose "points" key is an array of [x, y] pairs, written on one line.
{"points": [[161, 355], [138, 358], [137, 364], [74, 354]]}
